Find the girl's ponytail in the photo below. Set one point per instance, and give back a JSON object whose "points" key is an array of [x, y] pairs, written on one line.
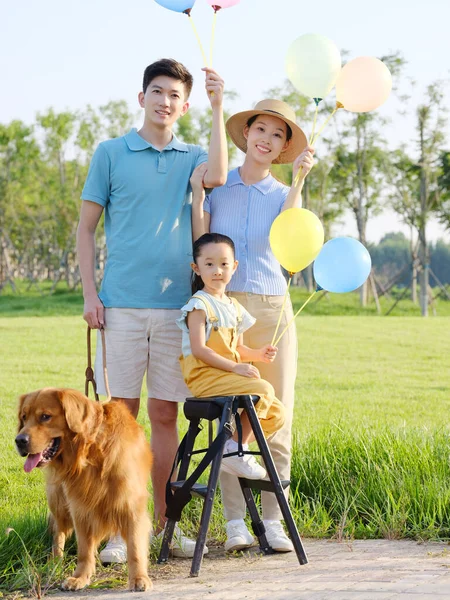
{"points": [[196, 283]]}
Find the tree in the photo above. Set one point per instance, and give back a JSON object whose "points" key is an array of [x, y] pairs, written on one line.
{"points": [[19, 189], [443, 211], [418, 185], [195, 127]]}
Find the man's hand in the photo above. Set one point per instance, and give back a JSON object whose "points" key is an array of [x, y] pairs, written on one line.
{"points": [[214, 87], [93, 312], [305, 162], [246, 371]]}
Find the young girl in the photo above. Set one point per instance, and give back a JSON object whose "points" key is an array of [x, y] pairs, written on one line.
{"points": [[244, 209], [213, 349]]}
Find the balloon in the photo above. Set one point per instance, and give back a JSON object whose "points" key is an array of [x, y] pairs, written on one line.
{"points": [[313, 63], [296, 237], [363, 84], [218, 4], [342, 265], [181, 6]]}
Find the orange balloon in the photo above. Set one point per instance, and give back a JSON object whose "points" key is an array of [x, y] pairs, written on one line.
{"points": [[363, 84]]}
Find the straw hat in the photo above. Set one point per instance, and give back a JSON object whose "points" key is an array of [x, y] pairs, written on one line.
{"points": [[274, 108]]}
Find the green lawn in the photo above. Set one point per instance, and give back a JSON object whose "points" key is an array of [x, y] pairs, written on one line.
{"points": [[371, 424], [38, 302]]}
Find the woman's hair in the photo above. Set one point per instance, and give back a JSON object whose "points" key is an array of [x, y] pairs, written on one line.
{"points": [[207, 238], [288, 129]]}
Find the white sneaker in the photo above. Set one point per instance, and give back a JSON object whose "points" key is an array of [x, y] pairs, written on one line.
{"points": [[115, 551], [238, 536], [182, 546], [277, 537], [241, 466]]}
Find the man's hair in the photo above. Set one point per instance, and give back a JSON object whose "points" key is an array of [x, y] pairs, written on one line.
{"points": [[169, 68]]}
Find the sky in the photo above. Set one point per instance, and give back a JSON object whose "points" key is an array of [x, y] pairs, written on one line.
{"points": [[66, 55]]}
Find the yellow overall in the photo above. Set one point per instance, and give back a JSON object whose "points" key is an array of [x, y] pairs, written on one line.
{"points": [[205, 381]]}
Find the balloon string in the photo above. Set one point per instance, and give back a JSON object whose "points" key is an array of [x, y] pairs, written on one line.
{"points": [[213, 32], [205, 60], [338, 106], [282, 309], [313, 138], [314, 124], [293, 318]]}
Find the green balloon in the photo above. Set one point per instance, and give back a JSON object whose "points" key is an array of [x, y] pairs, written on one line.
{"points": [[313, 63]]}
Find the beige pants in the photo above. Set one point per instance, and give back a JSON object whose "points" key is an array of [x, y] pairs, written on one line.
{"points": [[281, 374], [142, 341]]}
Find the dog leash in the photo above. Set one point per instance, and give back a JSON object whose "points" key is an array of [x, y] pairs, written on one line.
{"points": [[90, 371]]}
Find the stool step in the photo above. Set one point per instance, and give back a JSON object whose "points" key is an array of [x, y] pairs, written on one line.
{"points": [[262, 484], [198, 489]]}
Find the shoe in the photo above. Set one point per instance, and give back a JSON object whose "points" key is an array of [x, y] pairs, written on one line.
{"points": [[181, 546], [238, 536], [277, 537], [241, 466], [115, 551]]}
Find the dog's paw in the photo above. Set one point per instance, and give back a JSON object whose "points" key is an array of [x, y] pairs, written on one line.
{"points": [[141, 583], [71, 584]]}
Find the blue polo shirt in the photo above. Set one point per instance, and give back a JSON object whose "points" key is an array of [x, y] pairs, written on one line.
{"points": [[147, 199]]}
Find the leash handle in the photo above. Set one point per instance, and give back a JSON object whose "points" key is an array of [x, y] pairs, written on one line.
{"points": [[89, 370]]}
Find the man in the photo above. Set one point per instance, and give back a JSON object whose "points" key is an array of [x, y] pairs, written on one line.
{"points": [[141, 180]]}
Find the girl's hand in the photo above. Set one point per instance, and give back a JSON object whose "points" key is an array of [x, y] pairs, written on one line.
{"points": [[196, 182], [246, 371], [306, 161], [267, 353]]}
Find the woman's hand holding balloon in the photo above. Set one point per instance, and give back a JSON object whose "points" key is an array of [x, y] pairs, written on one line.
{"points": [[214, 87], [303, 164]]}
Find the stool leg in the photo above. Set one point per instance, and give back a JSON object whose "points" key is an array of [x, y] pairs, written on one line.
{"points": [[169, 528], [167, 540], [257, 525], [192, 433], [275, 480], [210, 493]]}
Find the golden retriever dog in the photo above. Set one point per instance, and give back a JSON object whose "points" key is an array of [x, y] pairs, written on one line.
{"points": [[97, 463]]}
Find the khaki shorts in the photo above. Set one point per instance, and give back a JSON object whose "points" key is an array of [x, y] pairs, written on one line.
{"points": [[140, 340]]}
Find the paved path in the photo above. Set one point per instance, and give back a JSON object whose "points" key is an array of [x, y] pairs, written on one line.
{"points": [[359, 570]]}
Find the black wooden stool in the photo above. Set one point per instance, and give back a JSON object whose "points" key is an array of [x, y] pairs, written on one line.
{"points": [[178, 493]]}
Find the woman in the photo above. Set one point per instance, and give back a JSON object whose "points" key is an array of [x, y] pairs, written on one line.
{"points": [[244, 209]]}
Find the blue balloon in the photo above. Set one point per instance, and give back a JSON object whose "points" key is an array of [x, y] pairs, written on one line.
{"points": [[343, 265], [180, 6]]}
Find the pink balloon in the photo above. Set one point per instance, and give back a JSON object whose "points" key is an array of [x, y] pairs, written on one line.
{"points": [[363, 84], [218, 4]]}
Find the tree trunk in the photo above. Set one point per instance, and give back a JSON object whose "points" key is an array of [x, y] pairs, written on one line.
{"points": [[360, 217], [423, 245], [414, 271]]}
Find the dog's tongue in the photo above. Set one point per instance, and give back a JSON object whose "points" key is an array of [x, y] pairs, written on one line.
{"points": [[31, 462]]}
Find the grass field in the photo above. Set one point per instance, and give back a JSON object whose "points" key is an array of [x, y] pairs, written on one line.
{"points": [[371, 451], [37, 302]]}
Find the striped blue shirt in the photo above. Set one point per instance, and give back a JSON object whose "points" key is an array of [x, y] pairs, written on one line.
{"points": [[245, 213]]}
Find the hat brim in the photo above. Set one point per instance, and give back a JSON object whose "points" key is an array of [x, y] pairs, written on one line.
{"points": [[298, 142]]}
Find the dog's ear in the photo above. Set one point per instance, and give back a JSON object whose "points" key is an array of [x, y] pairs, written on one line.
{"points": [[22, 399], [80, 412]]}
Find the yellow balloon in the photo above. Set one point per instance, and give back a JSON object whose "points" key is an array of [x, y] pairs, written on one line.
{"points": [[363, 84], [296, 237], [313, 63]]}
